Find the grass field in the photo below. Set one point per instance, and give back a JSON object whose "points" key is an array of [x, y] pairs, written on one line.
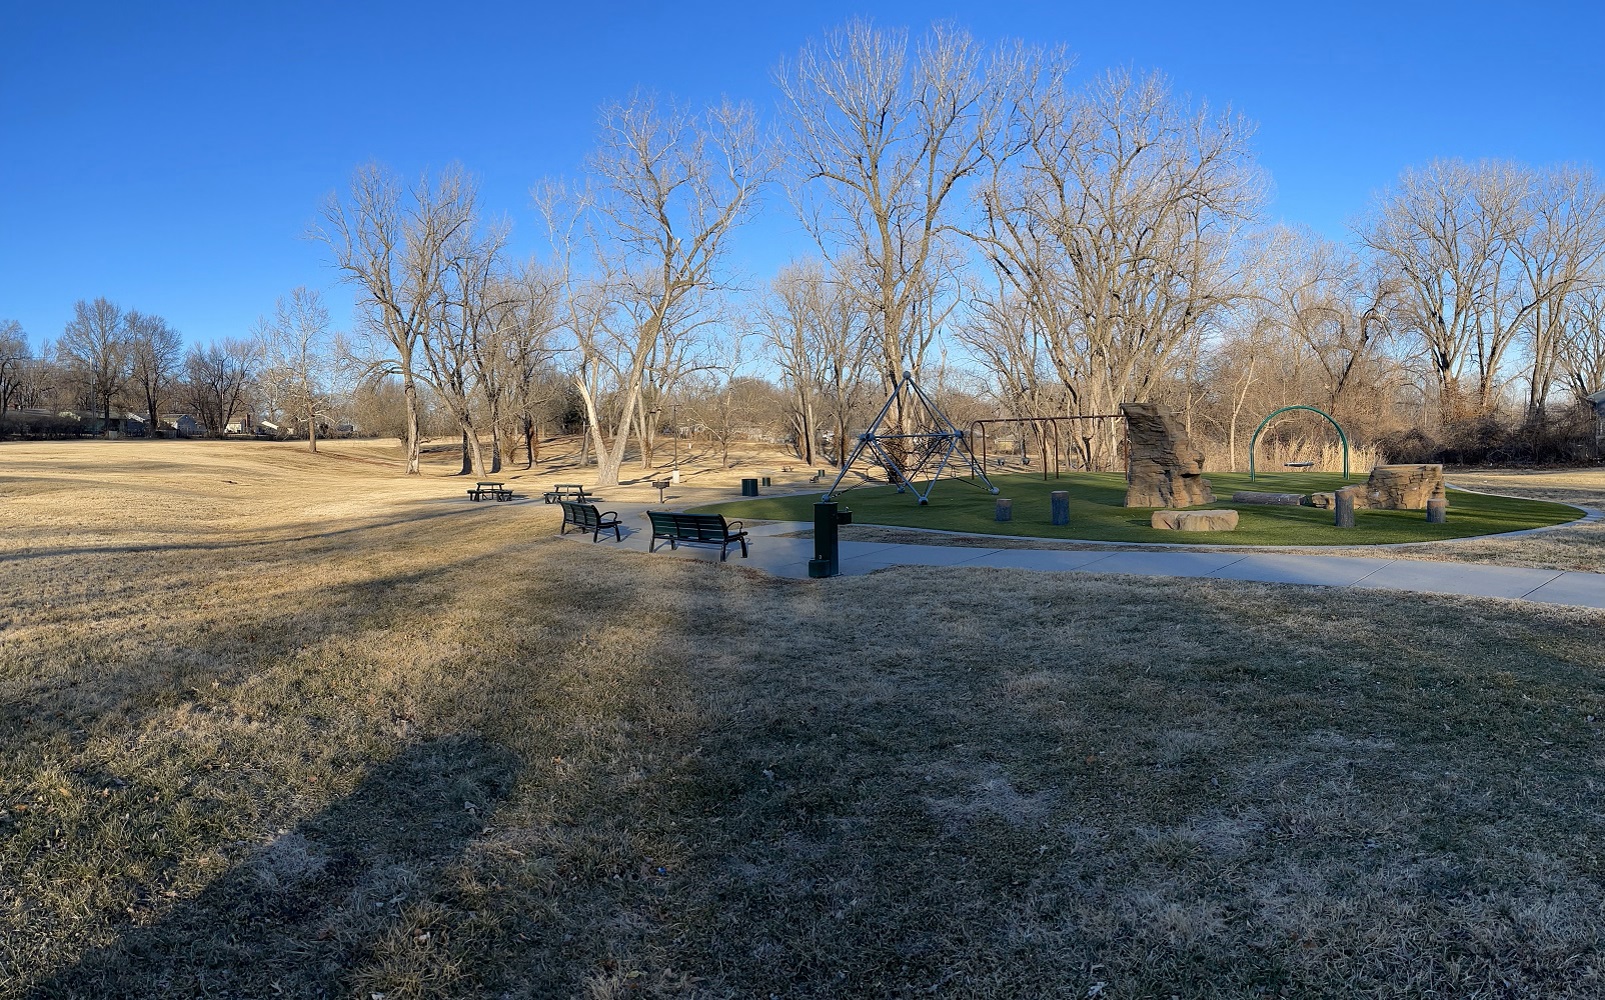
{"points": [[1098, 514], [276, 725]]}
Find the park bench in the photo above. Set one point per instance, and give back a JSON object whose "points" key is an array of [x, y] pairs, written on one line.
{"points": [[585, 517], [567, 491], [696, 529], [494, 491]]}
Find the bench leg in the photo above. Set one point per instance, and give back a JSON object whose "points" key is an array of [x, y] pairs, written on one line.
{"points": [[652, 546]]}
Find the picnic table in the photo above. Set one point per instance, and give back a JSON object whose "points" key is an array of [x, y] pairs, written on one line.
{"points": [[568, 491], [489, 488]]}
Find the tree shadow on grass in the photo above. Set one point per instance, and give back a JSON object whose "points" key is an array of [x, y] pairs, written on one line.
{"points": [[307, 908]]}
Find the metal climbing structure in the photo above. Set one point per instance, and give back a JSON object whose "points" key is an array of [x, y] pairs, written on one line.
{"points": [[931, 446]]}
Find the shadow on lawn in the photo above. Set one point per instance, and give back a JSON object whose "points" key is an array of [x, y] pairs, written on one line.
{"points": [[308, 907]]}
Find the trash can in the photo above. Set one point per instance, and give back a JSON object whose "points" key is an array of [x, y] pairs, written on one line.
{"points": [[749, 487]]}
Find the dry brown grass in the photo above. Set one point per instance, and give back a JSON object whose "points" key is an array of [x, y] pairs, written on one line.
{"points": [[277, 725]]}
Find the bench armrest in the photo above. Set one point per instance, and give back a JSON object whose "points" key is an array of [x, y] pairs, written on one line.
{"points": [[607, 514], [732, 525]]}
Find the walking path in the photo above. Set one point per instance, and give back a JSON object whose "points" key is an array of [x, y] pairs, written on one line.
{"points": [[788, 557]]}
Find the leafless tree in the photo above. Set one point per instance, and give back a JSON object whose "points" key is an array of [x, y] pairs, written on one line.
{"points": [[218, 376], [670, 188], [1558, 254], [457, 347], [392, 246], [296, 365], [1445, 233], [1114, 227], [521, 347], [14, 358], [842, 345], [95, 348], [156, 359], [1333, 309], [881, 136], [723, 395], [1582, 346], [791, 318]]}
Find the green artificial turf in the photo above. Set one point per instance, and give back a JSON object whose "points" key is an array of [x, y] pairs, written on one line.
{"points": [[1096, 513]]}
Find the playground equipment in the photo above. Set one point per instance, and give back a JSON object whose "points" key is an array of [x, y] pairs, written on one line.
{"points": [[1342, 437], [930, 449], [1046, 430]]}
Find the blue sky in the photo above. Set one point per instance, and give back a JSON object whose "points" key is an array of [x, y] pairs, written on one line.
{"points": [[170, 156]]}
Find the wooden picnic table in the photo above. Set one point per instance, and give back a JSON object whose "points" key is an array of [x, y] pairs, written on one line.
{"points": [[568, 491], [490, 488]]}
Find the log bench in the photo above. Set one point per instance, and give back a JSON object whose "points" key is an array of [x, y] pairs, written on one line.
{"points": [[696, 529], [585, 517]]}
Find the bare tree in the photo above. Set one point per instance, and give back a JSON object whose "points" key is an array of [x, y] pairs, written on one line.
{"points": [[14, 358], [1558, 253], [1333, 309], [95, 348], [880, 138], [296, 365], [720, 403], [842, 345], [395, 254], [156, 359], [789, 318], [1582, 347], [672, 186], [1445, 233], [218, 376], [523, 327], [1114, 227], [456, 346]]}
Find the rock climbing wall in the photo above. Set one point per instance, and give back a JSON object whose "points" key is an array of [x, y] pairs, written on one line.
{"points": [[1166, 470]]}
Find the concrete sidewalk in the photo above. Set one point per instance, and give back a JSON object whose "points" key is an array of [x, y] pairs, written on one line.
{"points": [[788, 557]]}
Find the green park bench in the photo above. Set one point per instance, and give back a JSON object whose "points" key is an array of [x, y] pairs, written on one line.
{"points": [[696, 529]]}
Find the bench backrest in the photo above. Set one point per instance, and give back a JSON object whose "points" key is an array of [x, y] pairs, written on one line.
{"points": [[689, 527], [581, 513]]}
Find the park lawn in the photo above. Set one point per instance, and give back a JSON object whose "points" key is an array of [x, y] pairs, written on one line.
{"points": [[320, 730], [1096, 513]]}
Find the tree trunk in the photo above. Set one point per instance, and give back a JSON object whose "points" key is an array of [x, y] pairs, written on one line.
{"points": [[470, 460], [409, 391]]}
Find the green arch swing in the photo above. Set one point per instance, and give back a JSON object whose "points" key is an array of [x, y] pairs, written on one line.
{"points": [[1342, 437]]}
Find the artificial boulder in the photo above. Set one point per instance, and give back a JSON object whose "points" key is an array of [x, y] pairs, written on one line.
{"points": [[1194, 520], [1166, 470], [1269, 499], [1401, 487]]}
